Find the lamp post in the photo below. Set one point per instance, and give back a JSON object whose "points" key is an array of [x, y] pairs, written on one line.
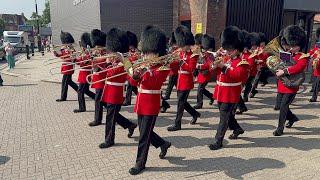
{"points": [[38, 28]]}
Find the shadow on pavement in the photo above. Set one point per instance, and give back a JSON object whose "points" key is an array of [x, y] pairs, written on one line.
{"points": [[232, 166]]}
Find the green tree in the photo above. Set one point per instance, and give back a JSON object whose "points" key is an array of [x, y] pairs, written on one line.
{"points": [[2, 26], [46, 18]]}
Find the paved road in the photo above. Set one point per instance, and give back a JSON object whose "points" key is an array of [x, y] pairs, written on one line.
{"points": [[43, 139]]}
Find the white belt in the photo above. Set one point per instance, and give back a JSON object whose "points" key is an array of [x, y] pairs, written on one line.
{"points": [[85, 70], [184, 72], [145, 91], [228, 84], [115, 83]]}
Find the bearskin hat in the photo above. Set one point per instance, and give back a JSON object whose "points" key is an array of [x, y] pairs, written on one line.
{"points": [[318, 34], [294, 36], [66, 38], [184, 36], [133, 40], [172, 40], [98, 38], [85, 40], [246, 36], [208, 42], [153, 40], [197, 38], [117, 41], [232, 38], [254, 39], [263, 38]]}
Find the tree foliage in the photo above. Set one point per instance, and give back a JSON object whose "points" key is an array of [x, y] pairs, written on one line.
{"points": [[44, 19], [2, 26]]}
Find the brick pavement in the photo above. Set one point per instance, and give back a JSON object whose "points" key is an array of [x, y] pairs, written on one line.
{"points": [[43, 139]]}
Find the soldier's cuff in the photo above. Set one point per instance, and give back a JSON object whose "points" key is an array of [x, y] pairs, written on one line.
{"points": [[286, 71]]}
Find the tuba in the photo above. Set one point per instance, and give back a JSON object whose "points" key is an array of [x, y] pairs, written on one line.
{"points": [[274, 63], [315, 62]]}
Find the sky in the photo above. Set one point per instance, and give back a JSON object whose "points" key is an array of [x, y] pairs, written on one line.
{"points": [[19, 6]]}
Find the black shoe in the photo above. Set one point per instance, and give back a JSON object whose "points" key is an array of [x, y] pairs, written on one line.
{"points": [[290, 123], [1, 84], [211, 102], [236, 133], [131, 130], [126, 104], [253, 93], [276, 108], [105, 145], [311, 90], [136, 170], [198, 106], [312, 100], [60, 100], [264, 84], [242, 111], [163, 109], [174, 128], [215, 146], [278, 132], [164, 149], [245, 99], [78, 110], [195, 118], [94, 123]]}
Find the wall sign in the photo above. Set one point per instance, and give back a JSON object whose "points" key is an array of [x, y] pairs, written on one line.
{"points": [[198, 28]]}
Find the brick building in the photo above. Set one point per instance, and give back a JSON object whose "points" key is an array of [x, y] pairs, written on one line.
{"points": [[12, 21], [205, 16]]}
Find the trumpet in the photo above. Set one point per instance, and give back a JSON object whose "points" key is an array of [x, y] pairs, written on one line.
{"points": [[140, 64]]}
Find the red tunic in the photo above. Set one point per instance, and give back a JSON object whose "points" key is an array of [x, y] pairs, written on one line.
{"points": [[174, 66], [314, 55], [99, 76], [300, 66], [86, 67], [252, 63], [67, 65], [228, 87], [185, 76], [203, 78], [133, 57], [114, 87], [148, 98]]}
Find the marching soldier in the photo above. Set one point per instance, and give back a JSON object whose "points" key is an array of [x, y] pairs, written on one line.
{"points": [[263, 71], [230, 75], [67, 65], [315, 55], [84, 62], [185, 84], [98, 39], [150, 80], [204, 69], [174, 67], [293, 40], [133, 56], [112, 96]]}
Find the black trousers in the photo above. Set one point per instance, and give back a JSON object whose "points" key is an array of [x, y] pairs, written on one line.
{"points": [[316, 88], [67, 81], [241, 105], [147, 136], [113, 117], [84, 89], [98, 109], [256, 81], [227, 119], [129, 91], [172, 82], [285, 112], [183, 105], [248, 87], [28, 51], [203, 91], [264, 75], [278, 101]]}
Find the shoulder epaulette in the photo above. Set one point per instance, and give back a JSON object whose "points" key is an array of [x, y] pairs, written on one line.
{"points": [[303, 55], [194, 55], [243, 62]]}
